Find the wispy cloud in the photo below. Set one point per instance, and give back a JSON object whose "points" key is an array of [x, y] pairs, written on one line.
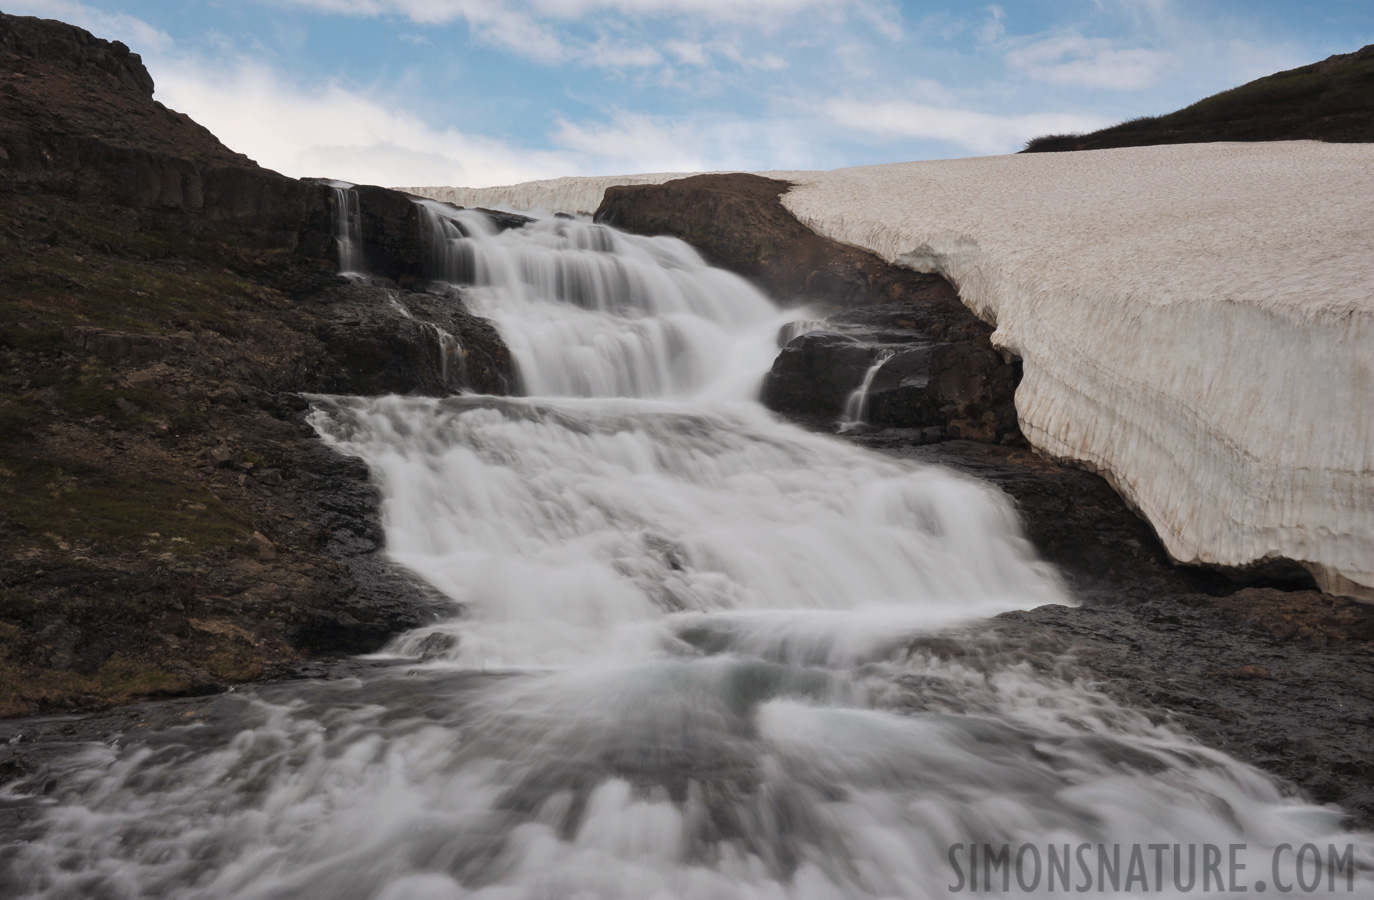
{"points": [[501, 23], [971, 130], [337, 132], [1071, 59], [627, 142], [539, 29]]}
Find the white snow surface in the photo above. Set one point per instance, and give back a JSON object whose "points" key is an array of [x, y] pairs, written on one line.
{"points": [[579, 196], [1196, 321]]}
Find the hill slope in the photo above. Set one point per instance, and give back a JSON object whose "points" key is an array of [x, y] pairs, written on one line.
{"points": [[168, 521], [1332, 100]]}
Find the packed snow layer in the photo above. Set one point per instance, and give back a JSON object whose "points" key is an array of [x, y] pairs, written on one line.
{"points": [[1196, 321], [580, 196]]}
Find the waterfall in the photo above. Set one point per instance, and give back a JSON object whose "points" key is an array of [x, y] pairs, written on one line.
{"points": [[348, 229], [856, 404], [692, 651], [450, 352], [588, 311]]}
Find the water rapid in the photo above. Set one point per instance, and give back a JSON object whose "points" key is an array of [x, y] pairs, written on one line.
{"points": [[856, 404], [348, 228], [692, 652]]}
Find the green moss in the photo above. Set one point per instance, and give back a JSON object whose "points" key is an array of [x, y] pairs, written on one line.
{"points": [[25, 690], [156, 281], [81, 504]]}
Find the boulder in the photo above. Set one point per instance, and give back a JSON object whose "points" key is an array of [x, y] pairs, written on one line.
{"points": [[815, 373]]}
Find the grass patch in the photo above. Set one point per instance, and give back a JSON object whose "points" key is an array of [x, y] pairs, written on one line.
{"points": [[90, 271], [27, 689], [81, 504], [1332, 100]]}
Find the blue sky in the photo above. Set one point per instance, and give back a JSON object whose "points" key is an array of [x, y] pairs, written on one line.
{"points": [[479, 92]]}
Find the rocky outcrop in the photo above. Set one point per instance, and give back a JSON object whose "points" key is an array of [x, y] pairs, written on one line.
{"points": [[169, 522], [74, 48], [943, 374], [77, 119], [944, 388], [1139, 333]]}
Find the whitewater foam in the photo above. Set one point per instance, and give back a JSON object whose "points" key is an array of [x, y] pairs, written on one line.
{"points": [[693, 652], [1195, 322]]}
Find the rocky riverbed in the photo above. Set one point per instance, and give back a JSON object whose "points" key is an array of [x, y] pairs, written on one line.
{"points": [[1256, 662], [172, 526]]}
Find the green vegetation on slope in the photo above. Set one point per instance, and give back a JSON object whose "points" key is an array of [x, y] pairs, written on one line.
{"points": [[1332, 100]]}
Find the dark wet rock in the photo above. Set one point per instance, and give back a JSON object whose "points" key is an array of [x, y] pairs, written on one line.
{"points": [[505, 221], [383, 340], [1248, 661], [964, 389], [393, 240], [164, 302], [815, 372], [436, 645], [1281, 679], [944, 373]]}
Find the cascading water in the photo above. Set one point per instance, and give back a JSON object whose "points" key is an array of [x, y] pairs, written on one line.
{"points": [[856, 404], [348, 229], [693, 652]]}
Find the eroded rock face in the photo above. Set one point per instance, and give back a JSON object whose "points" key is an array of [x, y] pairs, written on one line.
{"points": [[943, 375], [386, 340], [75, 48], [950, 389], [815, 372], [164, 303]]}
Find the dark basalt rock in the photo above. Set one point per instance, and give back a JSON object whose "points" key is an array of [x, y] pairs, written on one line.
{"points": [[164, 302], [393, 239], [815, 372], [944, 374], [75, 48], [504, 221], [961, 388], [435, 347]]}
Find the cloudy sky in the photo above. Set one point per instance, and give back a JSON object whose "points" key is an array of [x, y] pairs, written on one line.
{"points": [[480, 92]]}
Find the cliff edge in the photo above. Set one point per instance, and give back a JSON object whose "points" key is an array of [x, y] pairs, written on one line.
{"points": [[169, 522]]}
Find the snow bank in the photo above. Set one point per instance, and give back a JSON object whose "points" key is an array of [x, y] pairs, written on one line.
{"points": [[1196, 322], [571, 195]]}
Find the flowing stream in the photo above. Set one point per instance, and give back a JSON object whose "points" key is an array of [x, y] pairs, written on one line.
{"points": [[856, 404], [692, 651]]}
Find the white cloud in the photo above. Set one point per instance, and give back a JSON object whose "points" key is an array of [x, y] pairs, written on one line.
{"points": [[1071, 59], [534, 28], [992, 29], [689, 53], [335, 132], [501, 23], [977, 132], [611, 55], [135, 32], [632, 142]]}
